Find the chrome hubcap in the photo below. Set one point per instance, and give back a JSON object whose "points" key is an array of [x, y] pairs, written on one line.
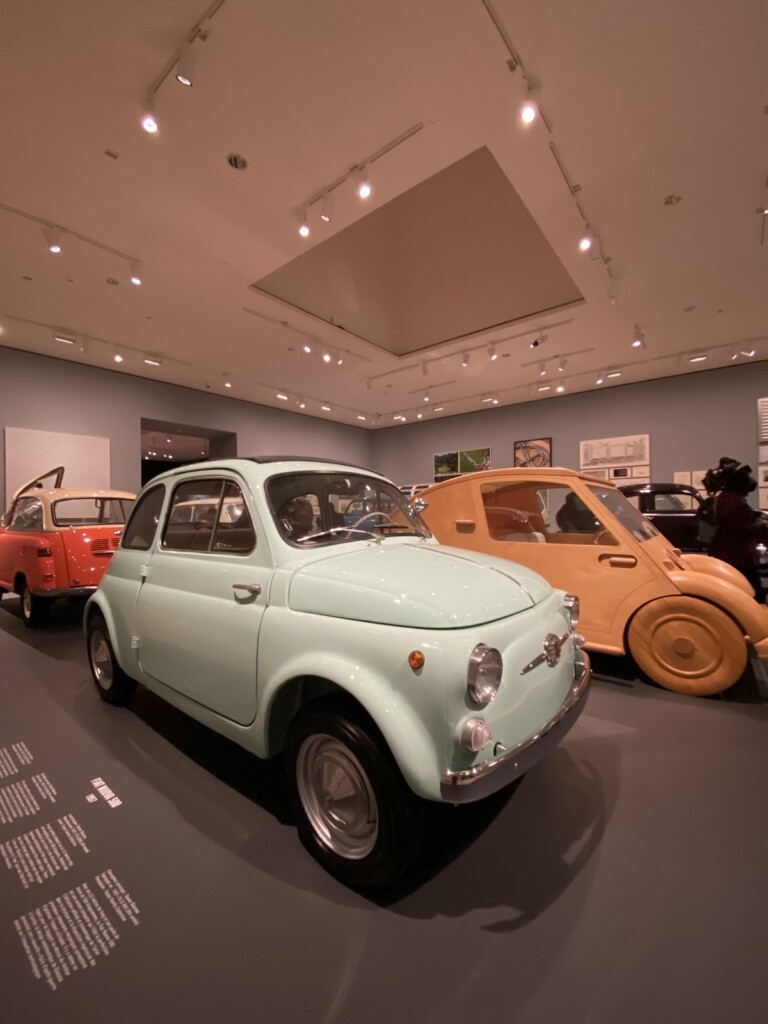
{"points": [[101, 662], [337, 797]]}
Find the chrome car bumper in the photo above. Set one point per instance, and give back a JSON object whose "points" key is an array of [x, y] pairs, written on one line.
{"points": [[63, 592], [483, 779]]}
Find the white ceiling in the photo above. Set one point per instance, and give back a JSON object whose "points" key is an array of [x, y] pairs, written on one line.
{"points": [[644, 101]]}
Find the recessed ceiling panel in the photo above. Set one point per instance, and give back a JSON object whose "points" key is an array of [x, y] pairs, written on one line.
{"points": [[453, 256]]}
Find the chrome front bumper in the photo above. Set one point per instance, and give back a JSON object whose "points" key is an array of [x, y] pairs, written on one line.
{"points": [[483, 779]]}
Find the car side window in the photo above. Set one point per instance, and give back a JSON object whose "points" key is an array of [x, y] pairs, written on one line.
{"points": [[27, 515], [528, 512], [209, 515], [142, 524]]}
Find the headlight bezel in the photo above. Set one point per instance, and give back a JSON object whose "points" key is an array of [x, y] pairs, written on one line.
{"points": [[484, 672]]}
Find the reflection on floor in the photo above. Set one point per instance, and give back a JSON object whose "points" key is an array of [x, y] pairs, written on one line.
{"points": [[622, 880]]}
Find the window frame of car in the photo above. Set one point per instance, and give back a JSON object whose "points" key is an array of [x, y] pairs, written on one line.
{"points": [[133, 522], [19, 506], [195, 532]]}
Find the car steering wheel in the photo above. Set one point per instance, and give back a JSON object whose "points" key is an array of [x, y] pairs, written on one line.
{"points": [[370, 515]]}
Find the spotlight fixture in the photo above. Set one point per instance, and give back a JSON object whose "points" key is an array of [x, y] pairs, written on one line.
{"points": [[281, 396], [562, 365], [300, 402], [538, 341], [185, 69], [339, 360], [542, 369], [135, 272], [599, 379], [638, 339], [544, 387], [697, 359], [325, 408], [359, 177], [148, 119], [465, 360], [64, 339], [53, 239], [307, 348], [361, 417], [586, 240], [303, 226], [150, 361], [614, 373], [326, 210], [327, 357], [560, 388], [424, 367], [492, 353], [227, 383], [529, 109], [426, 396], [749, 352], [117, 357]]}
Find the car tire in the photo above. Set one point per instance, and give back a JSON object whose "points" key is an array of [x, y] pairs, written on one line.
{"points": [[687, 645], [354, 811], [34, 610], [114, 686]]}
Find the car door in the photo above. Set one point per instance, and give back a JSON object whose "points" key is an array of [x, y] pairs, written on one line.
{"points": [[561, 533], [24, 519], [200, 606]]}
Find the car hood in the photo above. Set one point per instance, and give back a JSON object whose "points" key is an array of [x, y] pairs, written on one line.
{"points": [[418, 585]]}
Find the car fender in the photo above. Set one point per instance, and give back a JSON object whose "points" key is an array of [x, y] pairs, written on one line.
{"points": [[751, 617], [717, 568], [397, 718], [120, 639]]}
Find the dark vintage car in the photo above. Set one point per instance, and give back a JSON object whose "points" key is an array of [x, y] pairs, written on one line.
{"points": [[672, 510]]}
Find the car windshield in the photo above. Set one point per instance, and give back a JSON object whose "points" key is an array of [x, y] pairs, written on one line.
{"points": [[91, 511], [629, 517], [313, 509]]}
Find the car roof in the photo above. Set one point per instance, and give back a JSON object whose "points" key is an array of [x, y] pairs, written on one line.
{"points": [[259, 468], [525, 472]]}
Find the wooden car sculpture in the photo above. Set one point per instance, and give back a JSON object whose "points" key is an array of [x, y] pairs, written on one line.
{"points": [[57, 542], [689, 621]]}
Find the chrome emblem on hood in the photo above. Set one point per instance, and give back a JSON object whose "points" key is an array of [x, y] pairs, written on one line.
{"points": [[552, 649]]}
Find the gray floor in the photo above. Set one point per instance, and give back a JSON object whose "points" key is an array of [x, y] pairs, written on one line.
{"points": [[623, 881]]}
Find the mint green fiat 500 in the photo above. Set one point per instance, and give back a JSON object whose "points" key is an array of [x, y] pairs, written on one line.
{"points": [[387, 669]]}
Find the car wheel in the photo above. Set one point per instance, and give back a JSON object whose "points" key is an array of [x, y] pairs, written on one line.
{"points": [[114, 686], [687, 645], [34, 610], [354, 812]]}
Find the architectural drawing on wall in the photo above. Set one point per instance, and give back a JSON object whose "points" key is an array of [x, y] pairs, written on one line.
{"points": [[621, 459]]}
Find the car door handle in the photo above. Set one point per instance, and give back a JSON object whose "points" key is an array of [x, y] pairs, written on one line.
{"points": [[619, 561], [250, 588]]}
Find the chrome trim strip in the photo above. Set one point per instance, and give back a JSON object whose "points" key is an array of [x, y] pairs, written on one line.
{"points": [[541, 658], [481, 780]]}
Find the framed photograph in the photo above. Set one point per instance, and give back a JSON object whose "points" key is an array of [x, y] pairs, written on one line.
{"points": [[474, 460], [535, 452], [446, 464]]}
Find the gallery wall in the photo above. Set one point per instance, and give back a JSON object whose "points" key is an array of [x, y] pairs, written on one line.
{"points": [[692, 420], [41, 393]]}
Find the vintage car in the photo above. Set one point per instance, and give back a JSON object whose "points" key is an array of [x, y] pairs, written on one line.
{"points": [[387, 669], [671, 508], [57, 542], [689, 621]]}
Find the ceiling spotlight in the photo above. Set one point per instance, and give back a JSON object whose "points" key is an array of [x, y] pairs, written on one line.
{"points": [[135, 272], [529, 109], [562, 365], [697, 359], [418, 415], [64, 339], [185, 69], [326, 210], [53, 239], [339, 360], [614, 373], [612, 298], [585, 242], [544, 387], [325, 408], [749, 352], [148, 120], [281, 396], [117, 357], [542, 369], [227, 383], [368, 385], [426, 396], [151, 362], [361, 183], [492, 352], [560, 388], [327, 357], [307, 348], [465, 359], [303, 223], [599, 379], [537, 342], [638, 339], [361, 417], [301, 403]]}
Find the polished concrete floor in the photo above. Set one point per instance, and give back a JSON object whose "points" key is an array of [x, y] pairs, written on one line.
{"points": [[624, 880]]}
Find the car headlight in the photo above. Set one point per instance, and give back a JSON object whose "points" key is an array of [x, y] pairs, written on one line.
{"points": [[571, 609], [484, 674]]}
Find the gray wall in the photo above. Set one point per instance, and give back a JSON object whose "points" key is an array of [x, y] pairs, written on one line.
{"points": [[692, 420], [41, 393]]}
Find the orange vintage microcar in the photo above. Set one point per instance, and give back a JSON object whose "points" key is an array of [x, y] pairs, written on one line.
{"points": [[690, 621], [57, 542]]}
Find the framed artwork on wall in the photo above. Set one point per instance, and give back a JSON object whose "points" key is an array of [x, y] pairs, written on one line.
{"points": [[534, 452]]}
